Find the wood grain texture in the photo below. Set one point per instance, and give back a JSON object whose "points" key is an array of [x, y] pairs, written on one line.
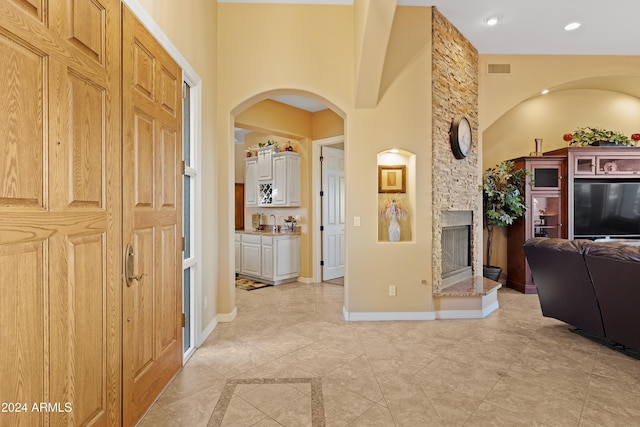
{"points": [[60, 210], [152, 217], [22, 82]]}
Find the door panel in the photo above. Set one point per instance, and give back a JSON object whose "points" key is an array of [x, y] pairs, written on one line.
{"points": [[33, 8], [152, 217], [143, 165], [78, 342], [333, 213], [60, 211], [22, 78], [86, 145], [23, 324]]}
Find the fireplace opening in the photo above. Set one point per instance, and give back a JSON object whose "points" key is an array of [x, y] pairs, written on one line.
{"points": [[456, 247]]}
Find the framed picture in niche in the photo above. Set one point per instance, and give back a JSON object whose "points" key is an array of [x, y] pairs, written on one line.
{"points": [[392, 179]]}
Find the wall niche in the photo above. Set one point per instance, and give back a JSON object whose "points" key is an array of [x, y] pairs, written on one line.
{"points": [[396, 195]]}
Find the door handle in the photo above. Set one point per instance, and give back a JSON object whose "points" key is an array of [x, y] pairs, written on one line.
{"points": [[128, 266]]}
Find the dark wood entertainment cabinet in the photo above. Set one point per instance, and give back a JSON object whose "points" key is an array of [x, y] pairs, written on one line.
{"points": [[550, 199]]}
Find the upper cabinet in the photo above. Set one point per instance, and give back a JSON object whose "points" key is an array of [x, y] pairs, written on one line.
{"points": [[265, 163], [606, 164], [281, 188], [251, 182]]}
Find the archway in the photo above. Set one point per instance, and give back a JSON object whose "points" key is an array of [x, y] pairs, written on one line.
{"points": [[611, 102], [263, 117]]}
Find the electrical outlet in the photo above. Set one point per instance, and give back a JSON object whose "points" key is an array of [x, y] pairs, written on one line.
{"points": [[392, 291]]}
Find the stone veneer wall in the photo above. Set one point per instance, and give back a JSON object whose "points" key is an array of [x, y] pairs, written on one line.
{"points": [[455, 91]]}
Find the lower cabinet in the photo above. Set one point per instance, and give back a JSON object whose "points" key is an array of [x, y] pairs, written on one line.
{"points": [[273, 258], [238, 252], [251, 249]]}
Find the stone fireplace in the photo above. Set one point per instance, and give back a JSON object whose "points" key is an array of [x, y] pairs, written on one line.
{"points": [[457, 201], [459, 290], [456, 244]]}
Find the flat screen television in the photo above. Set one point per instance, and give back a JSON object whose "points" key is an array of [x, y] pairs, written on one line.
{"points": [[606, 208]]}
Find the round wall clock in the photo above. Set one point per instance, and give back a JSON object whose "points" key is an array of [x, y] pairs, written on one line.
{"points": [[461, 137]]}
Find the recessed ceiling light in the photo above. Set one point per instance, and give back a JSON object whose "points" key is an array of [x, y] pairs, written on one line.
{"points": [[544, 92], [572, 26], [493, 20]]}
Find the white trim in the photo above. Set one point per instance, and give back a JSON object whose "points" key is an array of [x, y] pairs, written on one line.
{"points": [[227, 317], [316, 241], [209, 329], [194, 81], [195, 92], [186, 356], [377, 316], [155, 30], [468, 314], [306, 280]]}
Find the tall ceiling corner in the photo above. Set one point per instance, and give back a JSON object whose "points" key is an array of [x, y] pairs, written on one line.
{"points": [[373, 23]]}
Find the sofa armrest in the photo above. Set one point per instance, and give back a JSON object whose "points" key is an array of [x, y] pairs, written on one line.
{"points": [[563, 282]]}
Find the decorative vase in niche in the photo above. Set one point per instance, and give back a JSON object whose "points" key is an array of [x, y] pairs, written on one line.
{"points": [[394, 229]]}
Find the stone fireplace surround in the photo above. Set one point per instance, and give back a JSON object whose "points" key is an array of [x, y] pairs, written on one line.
{"points": [[456, 244]]}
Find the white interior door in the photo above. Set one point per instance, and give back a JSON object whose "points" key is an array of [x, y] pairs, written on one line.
{"points": [[333, 213]]}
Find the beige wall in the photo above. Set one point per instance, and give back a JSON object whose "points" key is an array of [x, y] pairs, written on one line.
{"points": [[254, 51], [584, 91], [274, 53], [191, 30]]}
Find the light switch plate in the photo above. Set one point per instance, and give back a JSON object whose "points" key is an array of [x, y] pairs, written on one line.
{"points": [[356, 221]]}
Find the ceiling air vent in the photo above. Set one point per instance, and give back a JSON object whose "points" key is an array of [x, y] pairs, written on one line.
{"points": [[499, 69]]}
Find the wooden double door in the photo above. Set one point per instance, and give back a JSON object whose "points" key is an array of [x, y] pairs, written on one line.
{"points": [[90, 155]]}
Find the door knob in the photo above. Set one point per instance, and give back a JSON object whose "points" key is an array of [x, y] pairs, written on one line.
{"points": [[128, 266]]}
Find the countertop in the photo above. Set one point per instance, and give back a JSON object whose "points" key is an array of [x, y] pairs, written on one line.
{"points": [[270, 233]]}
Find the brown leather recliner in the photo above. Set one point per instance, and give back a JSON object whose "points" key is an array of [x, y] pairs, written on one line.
{"points": [[563, 282], [615, 271]]}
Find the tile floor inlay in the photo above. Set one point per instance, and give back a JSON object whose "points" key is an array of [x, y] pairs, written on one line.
{"points": [[317, 405]]}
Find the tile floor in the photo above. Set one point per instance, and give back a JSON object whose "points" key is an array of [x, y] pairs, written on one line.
{"points": [[290, 360]]}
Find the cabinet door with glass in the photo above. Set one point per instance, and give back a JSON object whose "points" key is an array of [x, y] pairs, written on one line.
{"points": [[546, 214], [546, 175]]}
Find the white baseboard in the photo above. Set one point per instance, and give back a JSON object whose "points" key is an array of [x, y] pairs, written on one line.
{"points": [[378, 316], [419, 315], [207, 331], [467, 314], [228, 317], [306, 280]]}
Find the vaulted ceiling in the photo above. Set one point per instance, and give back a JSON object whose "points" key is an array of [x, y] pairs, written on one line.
{"points": [[531, 27]]}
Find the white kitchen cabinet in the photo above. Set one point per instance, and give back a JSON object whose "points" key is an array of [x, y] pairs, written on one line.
{"points": [[287, 262], [251, 255], [238, 252], [286, 179], [281, 188], [251, 182], [265, 163], [270, 257], [267, 257]]}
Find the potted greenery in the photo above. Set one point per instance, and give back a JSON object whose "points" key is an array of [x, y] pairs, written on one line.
{"points": [[270, 143], [586, 136], [503, 202]]}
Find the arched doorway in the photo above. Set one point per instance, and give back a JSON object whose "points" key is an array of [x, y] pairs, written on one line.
{"points": [[296, 119]]}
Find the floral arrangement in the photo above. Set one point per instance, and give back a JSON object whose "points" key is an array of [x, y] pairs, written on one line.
{"points": [[253, 151], [269, 143], [394, 207], [593, 136]]}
